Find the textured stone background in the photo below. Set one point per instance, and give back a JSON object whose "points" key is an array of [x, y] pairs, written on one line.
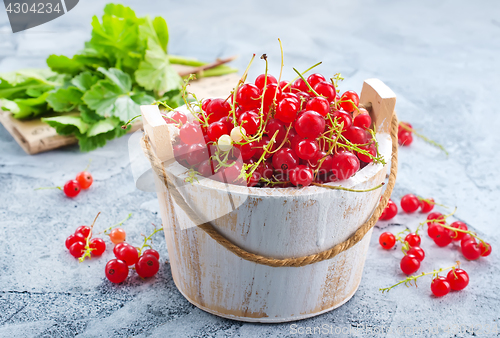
{"points": [[441, 59]]}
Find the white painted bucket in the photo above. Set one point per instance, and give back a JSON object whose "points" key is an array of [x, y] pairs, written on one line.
{"points": [[277, 223]]}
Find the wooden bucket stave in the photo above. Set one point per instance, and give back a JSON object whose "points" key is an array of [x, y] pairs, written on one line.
{"points": [[277, 223]]}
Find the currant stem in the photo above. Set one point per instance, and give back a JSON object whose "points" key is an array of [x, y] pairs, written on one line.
{"points": [[307, 83], [125, 126], [45, 188], [408, 280], [149, 238], [88, 165], [88, 250], [347, 189], [116, 225], [308, 69]]}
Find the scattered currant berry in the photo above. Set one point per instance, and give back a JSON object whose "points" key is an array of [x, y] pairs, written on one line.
{"points": [[72, 188], [471, 250], [409, 264], [76, 250], [147, 266], [443, 239], [116, 271], [387, 240], [151, 252], [98, 246], [405, 138], [440, 286], [458, 279], [457, 235], [413, 239], [390, 211], [83, 230], [485, 249], [418, 252], [85, 179], [410, 203], [127, 253], [426, 205], [73, 238], [117, 235]]}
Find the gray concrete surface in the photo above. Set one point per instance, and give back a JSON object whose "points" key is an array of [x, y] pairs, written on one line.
{"points": [[441, 59]]}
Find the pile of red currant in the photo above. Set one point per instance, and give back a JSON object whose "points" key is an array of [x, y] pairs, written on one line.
{"points": [[277, 134], [146, 263], [442, 235]]}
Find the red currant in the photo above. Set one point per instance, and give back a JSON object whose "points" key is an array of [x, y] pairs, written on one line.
{"points": [[485, 249], [343, 119], [345, 103], [273, 126], [357, 135], [409, 264], [98, 246], [405, 138], [147, 266], [85, 179], [126, 252], [387, 240], [310, 124], [444, 238], [176, 117], [151, 252], [191, 133], [216, 130], [217, 109], [457, 235], [436, 217], [206, 168], [417, 252], [363, 120], [73, 238], [471, 250], [440, 286], [285, 159], [248, 96], [301, 176], [319, 105], [72, 188], [197, 153], [410, 203], [314, 79], [390, 211], [83, 230], [307, 149], [458, 279], [259, 148], [300, 86], [260, 81], [413, 239], [205, 103], [434, 230], [76, 250], [426, 205], [116, 271], [345, 165], [287, 109], [325, 89], [371, 149]]}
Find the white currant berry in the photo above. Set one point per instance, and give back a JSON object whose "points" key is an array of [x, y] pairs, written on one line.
{"points": [[237, 134], [225, 143]]}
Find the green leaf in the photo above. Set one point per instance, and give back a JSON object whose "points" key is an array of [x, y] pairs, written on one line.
{"points": [[17, 84], [91, 58], [103, 126], [156, 29], [120, 11], [31, 107], [155, 72], [8, 105], [89, 115], [65, 99], [23, 76], [99, 140], [67, 124], [84, 81], [118, 77], [64, 65], [113, 96]]}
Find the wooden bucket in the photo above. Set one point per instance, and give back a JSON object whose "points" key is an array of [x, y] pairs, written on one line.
{"points": [[214, 231]]}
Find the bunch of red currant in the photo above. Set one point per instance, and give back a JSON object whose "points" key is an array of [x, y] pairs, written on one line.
{"points": [[73, 187], [405, 137], [77, 242], [274, 133]]}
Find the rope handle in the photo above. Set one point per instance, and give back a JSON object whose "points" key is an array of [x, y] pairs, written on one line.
{"points": [[269, 261]]}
